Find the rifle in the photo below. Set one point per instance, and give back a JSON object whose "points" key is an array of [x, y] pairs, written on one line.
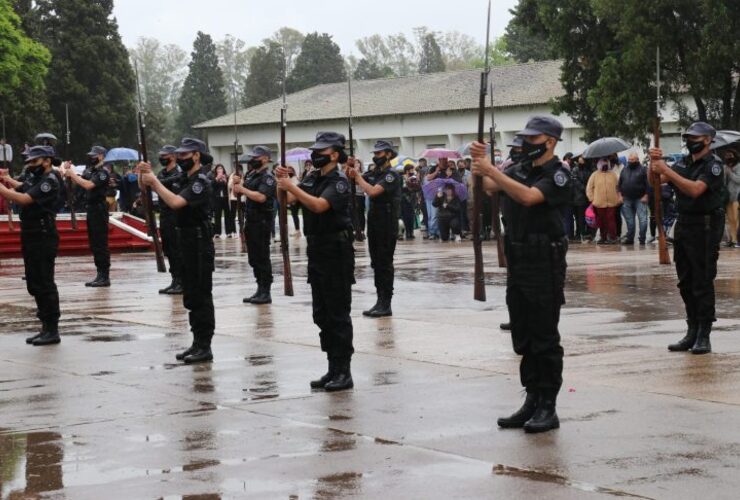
{"points": [[5, 165], [68, 181], [663, 256], [146, 192], [496, 201], [239, 208], [352, 183], [479, 283], [283, 199]]}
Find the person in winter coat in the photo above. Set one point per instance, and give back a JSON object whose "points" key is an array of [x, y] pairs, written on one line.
{"points": [[633, 186], [602, 192]]}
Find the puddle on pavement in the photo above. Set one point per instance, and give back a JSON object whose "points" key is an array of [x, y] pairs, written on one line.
{"points": [[259, 360], [264, 387], [338, 441], [111, 338], [30, 464], [338, 485], [385, 378]]}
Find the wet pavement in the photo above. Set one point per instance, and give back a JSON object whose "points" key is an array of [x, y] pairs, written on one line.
{"points": [[110, 414]]}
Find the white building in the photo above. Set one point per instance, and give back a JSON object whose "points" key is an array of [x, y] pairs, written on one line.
{"points": [[416, 113]]}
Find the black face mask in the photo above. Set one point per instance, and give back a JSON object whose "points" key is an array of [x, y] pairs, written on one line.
{"points": [[35, 168], [695, 147], [319, 160], [534, 151], [379, 161], [254, 164], [186, 164], [516, 156], [634, 164], [91, 162], [164, 162]]}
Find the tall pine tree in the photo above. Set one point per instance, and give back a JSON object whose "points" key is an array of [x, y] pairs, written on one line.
{"points": [[265, 80], [320, 61], [431, 60], [203, 96], [90, 72]]}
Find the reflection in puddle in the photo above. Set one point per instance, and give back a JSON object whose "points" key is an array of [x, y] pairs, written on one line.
{"points": [[338, 485], [338, 441], [385, 378], [111, 338], [265, 387], [30, 464], [257, 360]]}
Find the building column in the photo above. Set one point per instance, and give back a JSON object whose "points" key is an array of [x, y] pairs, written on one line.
{"points": [[454, 141], [407, 146]]}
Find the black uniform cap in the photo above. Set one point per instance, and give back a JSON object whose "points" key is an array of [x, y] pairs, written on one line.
{"points": [[190, 145], [96, 151], [700, 128], [328, 140], [39, 152], [167, 150], [547, 125], [516, 142], [383, 145], [257, 152]]}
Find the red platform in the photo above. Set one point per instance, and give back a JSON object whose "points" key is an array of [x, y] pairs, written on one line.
{"points": [[125, 234]]}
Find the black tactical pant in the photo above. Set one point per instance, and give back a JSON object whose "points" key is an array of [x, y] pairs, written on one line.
{"points": [[259, 232], [97, 234], [171, 244], [39, 247], [197, 282], [331, 274], [696, 242], [382, 235], [534, 296]]}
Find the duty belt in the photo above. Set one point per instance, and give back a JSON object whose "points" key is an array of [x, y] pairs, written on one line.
{"points": [[342, 236], [536, 246], [699, 218], [199, 232], [43, 224]]}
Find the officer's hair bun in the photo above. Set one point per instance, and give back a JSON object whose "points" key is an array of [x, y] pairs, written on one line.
{"points": [[342, 156], [56, 161], [206, 159]]}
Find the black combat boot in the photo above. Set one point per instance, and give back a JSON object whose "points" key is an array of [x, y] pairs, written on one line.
{"points": [[370, 311], [384, 307], [248, 300], [92, 283], [199, 355], [520, 417], [103, 279], [505, 326], [688, 341], [50, 335], [263, 296], [545, 417], [176, 287], [44, 327], [342, 378], [187, 352], [320, 383], [702, 345], [168, 287]]}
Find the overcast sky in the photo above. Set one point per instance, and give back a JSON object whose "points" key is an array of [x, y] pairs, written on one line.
{"points": [[177, 21]]}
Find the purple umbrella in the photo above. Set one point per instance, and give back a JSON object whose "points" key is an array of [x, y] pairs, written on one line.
{"points": [[298, 154], [432, 187], [438, 153]]}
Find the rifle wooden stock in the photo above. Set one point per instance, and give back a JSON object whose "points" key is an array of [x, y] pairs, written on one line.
{"points": [[353, 190], [71, 202], [663, 256], [147, 201], [479, 285], [283, 217]]}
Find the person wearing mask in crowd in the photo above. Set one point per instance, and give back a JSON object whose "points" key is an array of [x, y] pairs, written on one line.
{"points": [[732, 180], [174, 179], [448, 211], [616, 166], [114, 185], [633, 187], [221, 206], [432, 222], [409, 196], [602, 192], [579, 175]]}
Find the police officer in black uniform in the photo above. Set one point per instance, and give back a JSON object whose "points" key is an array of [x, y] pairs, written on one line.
{"points": [[698, 180], [383, 186], [534, 193], [259, 188], [174, 179], [95, 182], [324, 195], [192, 208], [38, 199]]}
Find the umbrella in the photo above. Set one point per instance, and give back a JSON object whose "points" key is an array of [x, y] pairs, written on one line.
{"points": [[725, 138], [399, 163], [431, 188], [121, 154], [465, 150], [440, 153], [298, 154], [45, 136], [604, 147]]}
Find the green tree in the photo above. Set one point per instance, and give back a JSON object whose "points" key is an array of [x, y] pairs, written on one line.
{"points": [[430, 60], [266, 73], [320, 61], [203, 96], [90, 71], [291, 41], [23, 68], [524, 39], [367, 70]]}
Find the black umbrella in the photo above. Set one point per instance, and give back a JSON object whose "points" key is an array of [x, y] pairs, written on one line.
{"points": [[44, 137], [725, 138], [605, 146]]}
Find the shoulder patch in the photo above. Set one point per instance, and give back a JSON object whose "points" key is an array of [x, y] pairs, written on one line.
{"points": [[103, 176], [270, 180], [342, 186], [390, 177], [716, 170], [560, 178], [45, 187], [197, 187]]}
